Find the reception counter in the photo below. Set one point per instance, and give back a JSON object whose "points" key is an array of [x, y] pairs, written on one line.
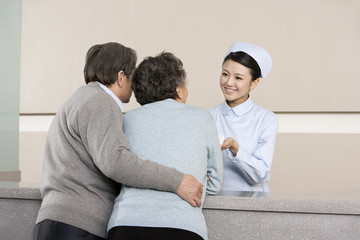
{"points": [[230, 215]]}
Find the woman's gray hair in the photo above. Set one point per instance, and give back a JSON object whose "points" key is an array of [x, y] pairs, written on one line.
{"points": [[157, 78]]}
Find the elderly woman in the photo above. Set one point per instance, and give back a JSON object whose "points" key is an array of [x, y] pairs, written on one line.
{"points": [[176, 135]]}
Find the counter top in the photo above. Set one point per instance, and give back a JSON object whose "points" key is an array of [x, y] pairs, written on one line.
{"points": [[269, 204], [245, 201]]}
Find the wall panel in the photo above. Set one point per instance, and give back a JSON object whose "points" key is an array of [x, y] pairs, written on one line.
{"points": [[316, 165], [315, 49]]}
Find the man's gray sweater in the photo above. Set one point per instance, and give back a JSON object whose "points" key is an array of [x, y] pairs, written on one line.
{"points": [[86, 155]]}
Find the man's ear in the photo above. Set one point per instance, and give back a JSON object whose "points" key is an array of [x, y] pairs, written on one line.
{"points": [[120, 78], [254, 83]]}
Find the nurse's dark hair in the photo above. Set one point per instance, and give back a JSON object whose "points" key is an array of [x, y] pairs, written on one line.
{"points": [[104, 62], [157, 78], [246, 60]]}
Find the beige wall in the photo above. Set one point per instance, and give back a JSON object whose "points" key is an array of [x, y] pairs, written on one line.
{"points": [[314, 46], [316, 165]]}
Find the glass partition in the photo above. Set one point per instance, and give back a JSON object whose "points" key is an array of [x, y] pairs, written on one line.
{"points": [[10, 45]]}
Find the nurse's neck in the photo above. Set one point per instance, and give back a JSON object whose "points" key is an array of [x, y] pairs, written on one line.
{"points": [[237, 102]]}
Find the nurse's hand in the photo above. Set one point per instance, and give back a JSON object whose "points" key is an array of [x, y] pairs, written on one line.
{"points": [[231, 144]]}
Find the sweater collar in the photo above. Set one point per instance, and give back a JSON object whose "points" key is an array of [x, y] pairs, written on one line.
{"points": [[117, 100], [238, 110]]}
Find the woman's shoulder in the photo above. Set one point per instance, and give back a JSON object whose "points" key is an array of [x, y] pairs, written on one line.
{"points": [[199, 111], [263, 110], [132, 113], [264, 113]]}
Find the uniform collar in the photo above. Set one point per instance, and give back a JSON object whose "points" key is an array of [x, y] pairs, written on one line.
{"points": [[108, 91], [239, 110]]}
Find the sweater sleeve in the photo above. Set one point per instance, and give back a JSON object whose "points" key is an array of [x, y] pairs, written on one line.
{"points": [[215, 162], [107, 145]]}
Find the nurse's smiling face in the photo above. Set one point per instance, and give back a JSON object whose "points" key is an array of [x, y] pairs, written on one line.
{"points": [[236, 82]]}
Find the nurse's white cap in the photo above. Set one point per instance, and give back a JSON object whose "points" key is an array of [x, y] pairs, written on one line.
{"points": [[261, 56]]}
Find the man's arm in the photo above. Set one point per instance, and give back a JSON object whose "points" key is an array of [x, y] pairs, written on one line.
{"points": [[109, 148]]}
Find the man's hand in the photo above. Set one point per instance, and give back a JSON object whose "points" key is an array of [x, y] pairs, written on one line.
{"points": [[190, 190]]}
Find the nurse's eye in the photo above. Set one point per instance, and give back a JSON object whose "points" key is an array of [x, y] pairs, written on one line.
{"points": [[238, 78], [224, 74]]}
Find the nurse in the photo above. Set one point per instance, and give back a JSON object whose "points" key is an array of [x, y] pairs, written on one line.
{"points": [[249, 130]]}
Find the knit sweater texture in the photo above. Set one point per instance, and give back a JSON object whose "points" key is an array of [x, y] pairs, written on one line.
{"points": [[175, 135], [86, 156]]}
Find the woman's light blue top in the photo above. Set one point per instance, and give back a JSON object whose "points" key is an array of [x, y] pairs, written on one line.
{"points": [[175, 135], [255, 129]]}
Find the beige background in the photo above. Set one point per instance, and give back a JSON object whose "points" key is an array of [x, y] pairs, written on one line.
{"points": [[314, 45]]}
